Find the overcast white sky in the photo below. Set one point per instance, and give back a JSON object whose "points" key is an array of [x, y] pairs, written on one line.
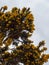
{"points": [[40, 10]]}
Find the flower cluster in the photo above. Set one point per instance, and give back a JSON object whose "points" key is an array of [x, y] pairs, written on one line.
{"points": [[16, 21], [28, 54], [15, 25]]}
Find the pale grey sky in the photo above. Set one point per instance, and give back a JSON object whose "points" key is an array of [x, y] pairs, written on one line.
{"points": [[40, 10]]}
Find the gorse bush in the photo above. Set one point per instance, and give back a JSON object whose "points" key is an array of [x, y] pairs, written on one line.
{"points": [[16, 26]]}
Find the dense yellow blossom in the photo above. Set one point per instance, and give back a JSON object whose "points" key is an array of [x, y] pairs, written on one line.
{"points": [[13, 25]]}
